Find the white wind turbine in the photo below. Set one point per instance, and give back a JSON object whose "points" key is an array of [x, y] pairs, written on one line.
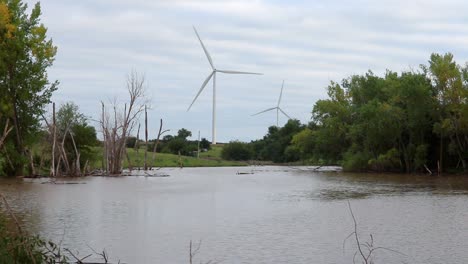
{"points": [[277, 107], [213, 75]]}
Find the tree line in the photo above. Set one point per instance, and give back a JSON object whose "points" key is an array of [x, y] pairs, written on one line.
{"points": [[173, 144], [413, 121]]}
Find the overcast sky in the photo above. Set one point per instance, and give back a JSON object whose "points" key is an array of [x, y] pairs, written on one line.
{"points": [[306, 43]]}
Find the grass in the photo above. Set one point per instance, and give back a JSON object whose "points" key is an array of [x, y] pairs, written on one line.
{"points": [[211, 158], [214, 152]]}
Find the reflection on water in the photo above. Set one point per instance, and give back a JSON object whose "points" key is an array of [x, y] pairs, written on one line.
{"points": [[275, 215]]}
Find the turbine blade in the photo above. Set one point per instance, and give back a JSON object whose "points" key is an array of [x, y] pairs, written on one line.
{"points": [[201, 89], [281, 93], [204, 49], [238, 72], [269, 109], [284, 113]]}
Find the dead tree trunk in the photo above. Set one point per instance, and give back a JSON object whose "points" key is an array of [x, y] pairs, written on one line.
{"points": [[155, 148], [54, 138], [146, 139], [136, 146]]}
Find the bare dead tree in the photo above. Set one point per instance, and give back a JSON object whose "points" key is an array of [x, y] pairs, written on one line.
{"points": [[155, 148], [117, 125]]}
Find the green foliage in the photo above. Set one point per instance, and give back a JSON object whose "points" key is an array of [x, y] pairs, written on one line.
{"points": [[69, 122], [205, 144], [176, 145], [180, 144], [385, 162], [184, 133], [302, 142], [207, 159], [131, 141], [356, 160], [274, 146], [16, 247], [25, 55], [236, 150], [398, 122]]}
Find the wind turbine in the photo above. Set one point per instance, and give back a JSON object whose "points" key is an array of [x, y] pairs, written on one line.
{"points": [[213, 75], [277, 107]]}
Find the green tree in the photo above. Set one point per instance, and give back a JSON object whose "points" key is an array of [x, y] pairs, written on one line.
{"points": [[451, 91], [184, 133], [25, 55], [274, 145], [236, 150], [74, 131], [205, 144], [372, 122]]}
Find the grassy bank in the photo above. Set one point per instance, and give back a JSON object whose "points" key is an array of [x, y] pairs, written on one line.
{"points": [[211, 158]]}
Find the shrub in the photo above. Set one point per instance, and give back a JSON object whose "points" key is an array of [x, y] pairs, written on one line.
{"points": [[356, 161], [236, 150]]}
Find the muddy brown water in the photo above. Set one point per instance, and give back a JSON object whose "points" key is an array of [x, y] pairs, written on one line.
{"points": [[275, 215]]}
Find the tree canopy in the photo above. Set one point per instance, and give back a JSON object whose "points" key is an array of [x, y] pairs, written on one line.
{"points": [[399, 122], [25, 54]]}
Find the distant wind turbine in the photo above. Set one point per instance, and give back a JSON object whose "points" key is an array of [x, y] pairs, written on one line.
{"points": [[277, 107], [213, 75]]}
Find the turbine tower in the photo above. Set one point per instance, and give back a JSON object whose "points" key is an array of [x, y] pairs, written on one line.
{"points": [[277, 107], [213, 75]]}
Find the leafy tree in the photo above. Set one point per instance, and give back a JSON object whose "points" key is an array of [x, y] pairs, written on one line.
{"points": [[205, 144], [274, 145], [73, 130], [25, 55], [450, 83], [176, 145], [131, 141], [184, 133], [236, 150], [404, 122], [304, 143]]}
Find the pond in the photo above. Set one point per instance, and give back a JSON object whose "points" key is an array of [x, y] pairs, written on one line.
{"points": [[274, 215]]}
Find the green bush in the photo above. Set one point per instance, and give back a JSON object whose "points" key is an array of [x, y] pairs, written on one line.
{"points": [[17, 247], [356, 161], [236, 150]]}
